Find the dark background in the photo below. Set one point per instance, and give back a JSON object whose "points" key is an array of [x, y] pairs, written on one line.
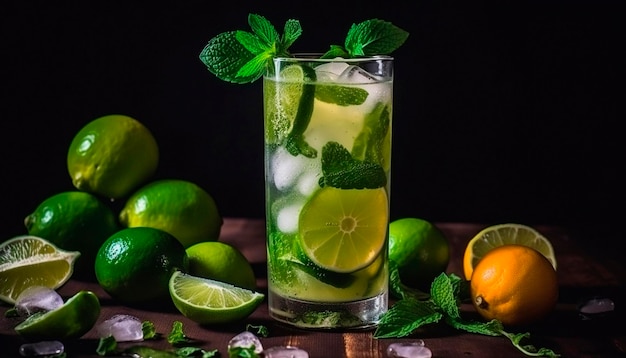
{"points": [[503, 112]]}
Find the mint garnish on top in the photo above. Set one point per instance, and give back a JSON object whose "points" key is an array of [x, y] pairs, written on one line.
{"points": [[243, 57]]}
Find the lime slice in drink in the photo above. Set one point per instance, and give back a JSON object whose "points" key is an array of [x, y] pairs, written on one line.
{"points": [[344, 230], [208, 301], [281, 103], [503, 234], [27, 261], [72, 320]]}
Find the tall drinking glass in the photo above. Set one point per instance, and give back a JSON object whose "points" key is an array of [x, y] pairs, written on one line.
{"points": [[327, 182]]}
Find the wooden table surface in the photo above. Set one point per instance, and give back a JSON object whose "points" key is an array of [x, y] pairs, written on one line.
{"points": [[581, 275]]}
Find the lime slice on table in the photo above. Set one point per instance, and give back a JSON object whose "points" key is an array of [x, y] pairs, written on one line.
{"points": [[344, 230], [27, 261], [209, 301], [72, 320], [504, 234]]}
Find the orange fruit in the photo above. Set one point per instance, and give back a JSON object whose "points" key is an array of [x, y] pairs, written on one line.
{"points": [[514, 284]]}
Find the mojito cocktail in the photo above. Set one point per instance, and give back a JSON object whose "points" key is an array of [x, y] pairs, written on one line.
{"points": [[327, 173]]}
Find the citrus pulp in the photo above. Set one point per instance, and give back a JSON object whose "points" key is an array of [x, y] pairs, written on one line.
{"points": [[344, 230], [27, 261], [503, 234], [208, 301]]}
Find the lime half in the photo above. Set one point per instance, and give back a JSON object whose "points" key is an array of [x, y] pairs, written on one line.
{"points": [[27, 261], [72, 320], [208, 301], [504, 234], [344, 230]]}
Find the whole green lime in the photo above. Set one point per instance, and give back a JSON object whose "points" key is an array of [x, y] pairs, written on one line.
{"points": [[112, 155], [134, 265], [220, 261], [419, 249], [75, 221], [179, 207]]}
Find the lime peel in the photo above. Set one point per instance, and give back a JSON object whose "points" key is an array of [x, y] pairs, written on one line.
{"points": [[209, 301], [29, 260]]}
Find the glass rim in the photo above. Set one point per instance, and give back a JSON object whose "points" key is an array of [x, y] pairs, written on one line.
{"points": [[315, 57]]}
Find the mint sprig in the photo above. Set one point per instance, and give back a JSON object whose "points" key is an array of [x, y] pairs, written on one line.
{"points": [[446, 293], [243, 57]]}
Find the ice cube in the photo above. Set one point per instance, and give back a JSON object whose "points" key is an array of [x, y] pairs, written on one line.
{"points": [[357, 75], [36, 299], [287, 218], [309, 180], [286, 169], [124, 328], [43, 348], [329, 72], [285, 352], [377, 93], [246, 339], [409, 350]]}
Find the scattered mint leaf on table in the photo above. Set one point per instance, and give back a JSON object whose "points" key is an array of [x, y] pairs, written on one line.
{"points": [[446, 294]]}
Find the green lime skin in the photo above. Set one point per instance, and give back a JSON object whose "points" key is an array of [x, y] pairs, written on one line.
{"points": [[134, 265], [180, 207], [112, 155], [74, 221], [220, 261], [70, 321], [419, 249]]}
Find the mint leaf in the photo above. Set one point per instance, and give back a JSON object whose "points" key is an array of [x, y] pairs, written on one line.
{"points": [[243, 57], [264, 30], [443, 293], [406, 316], [291, 33], [370, 37], [224, 55], [341, 171], [341, 95], [176, 335], [374, 37], [400, 290]]}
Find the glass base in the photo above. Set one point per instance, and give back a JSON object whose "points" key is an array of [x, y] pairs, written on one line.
{"points": [[316, 315]]}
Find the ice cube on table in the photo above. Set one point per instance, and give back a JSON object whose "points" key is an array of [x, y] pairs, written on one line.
{"points": [[246, 339], [124, 328], [415, 349], [43, 348], [285, 352], [37, 299]]}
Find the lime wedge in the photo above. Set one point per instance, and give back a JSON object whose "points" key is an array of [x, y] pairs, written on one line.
{"points": [[72, 320], [27, 261], [281, 103], [208, 301], [504, 234], [344, 230]]}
